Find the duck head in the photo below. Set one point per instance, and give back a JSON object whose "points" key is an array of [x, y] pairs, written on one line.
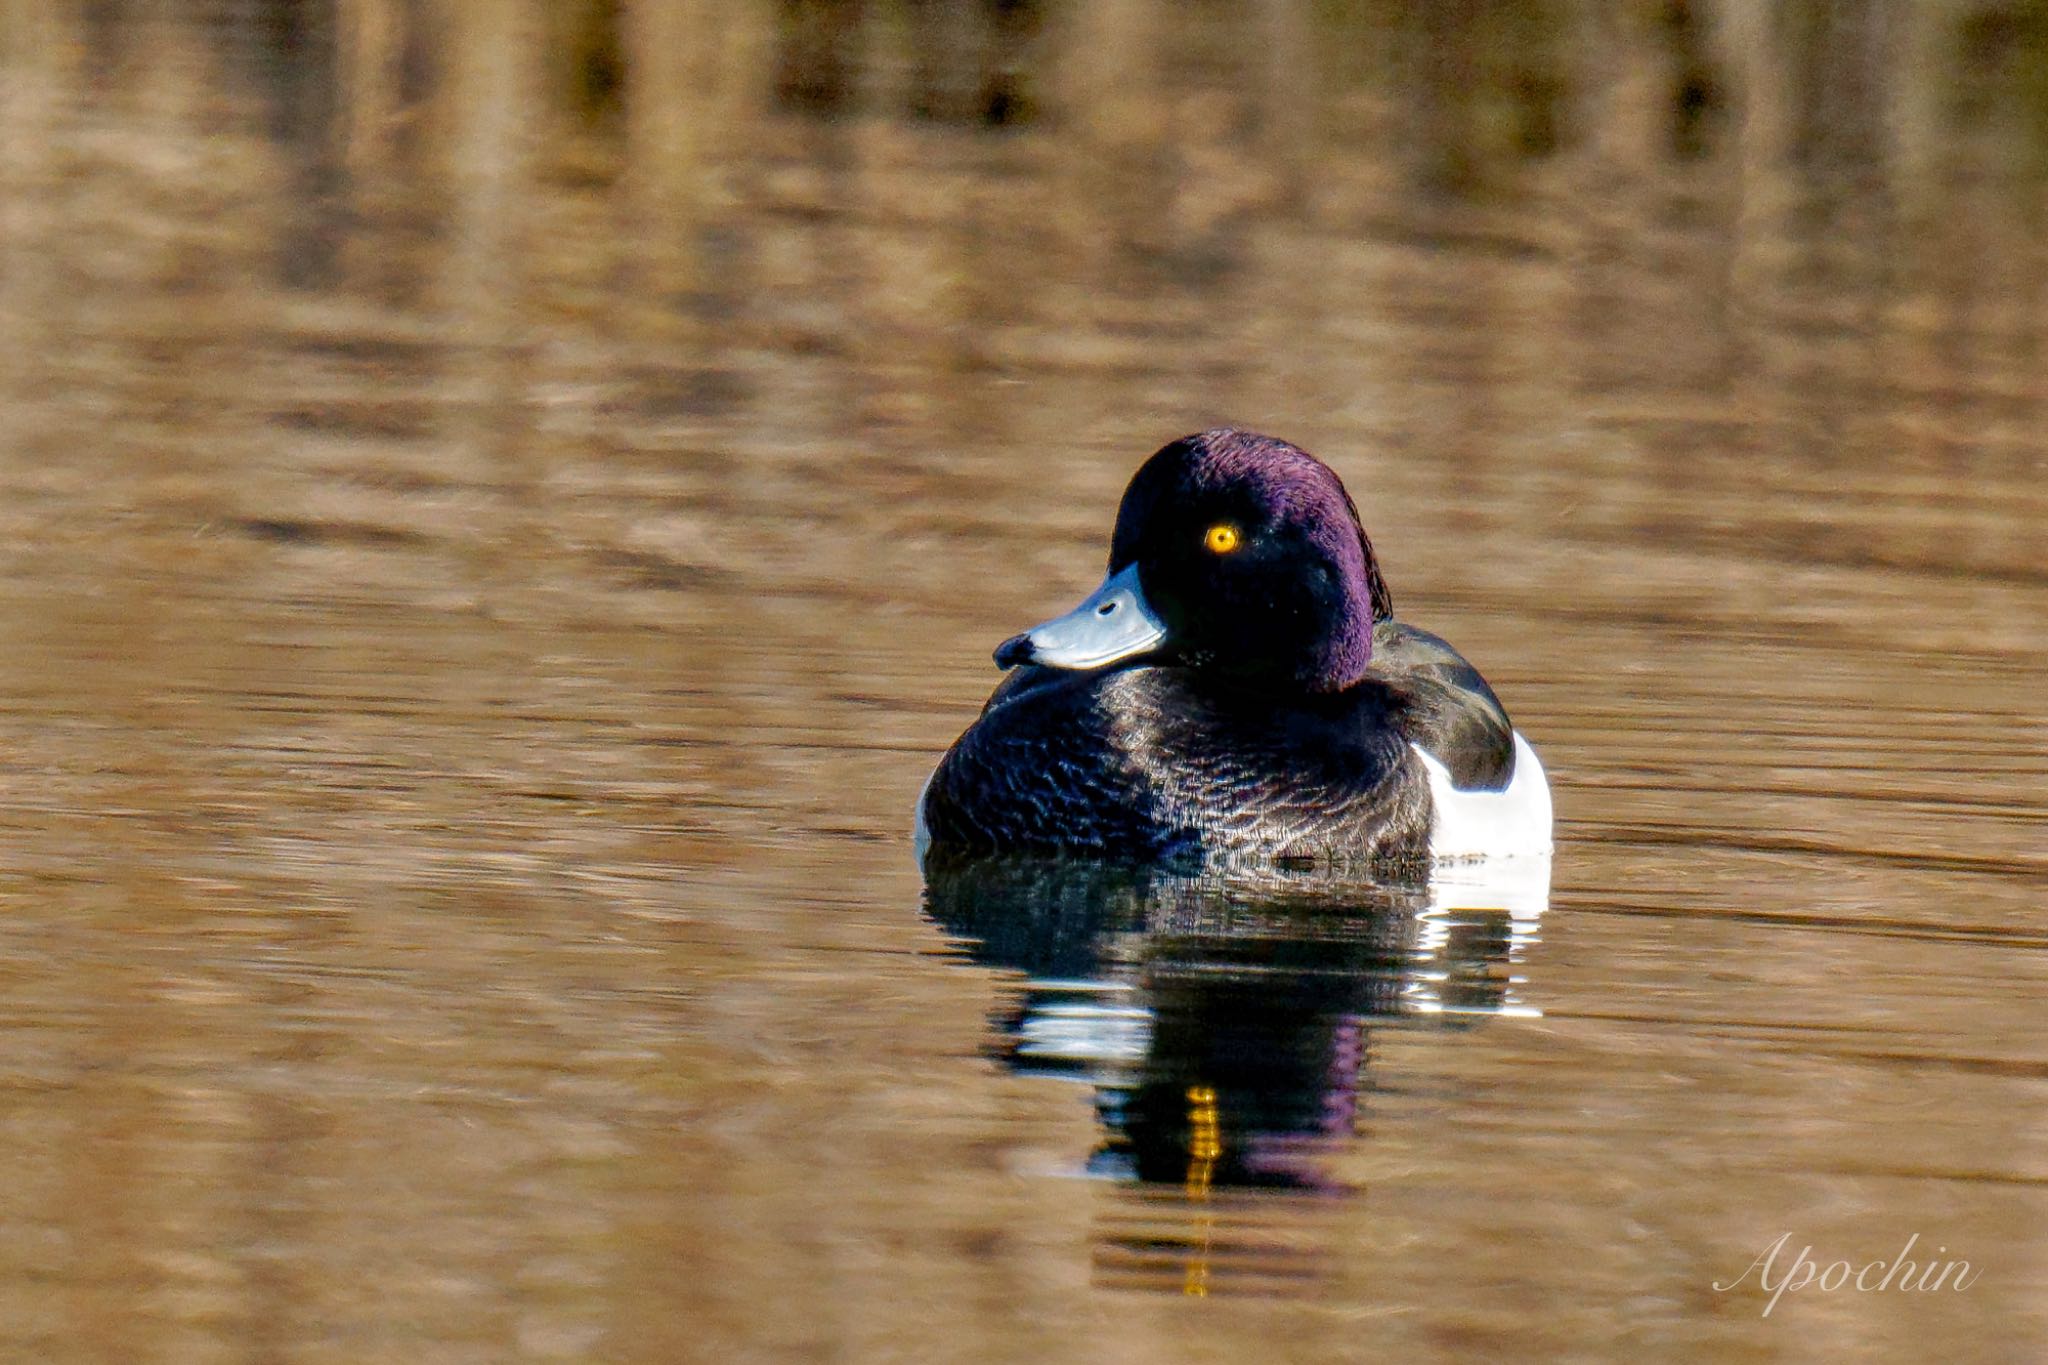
{"points": [[1235, 554]]}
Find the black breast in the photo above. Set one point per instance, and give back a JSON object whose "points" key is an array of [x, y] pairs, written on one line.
{"points": [[1147, 762]]}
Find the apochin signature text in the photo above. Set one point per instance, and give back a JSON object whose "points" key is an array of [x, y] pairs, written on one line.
{"points": [[1872, 1278]]}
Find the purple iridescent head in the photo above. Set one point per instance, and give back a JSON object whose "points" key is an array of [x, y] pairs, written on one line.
{"points": [[1234, 553]]}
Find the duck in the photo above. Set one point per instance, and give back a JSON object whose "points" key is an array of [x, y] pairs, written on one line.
{"points": [[1237, 686]]}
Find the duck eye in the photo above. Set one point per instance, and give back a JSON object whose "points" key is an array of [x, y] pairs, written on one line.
{"points": [[1221, 538]]}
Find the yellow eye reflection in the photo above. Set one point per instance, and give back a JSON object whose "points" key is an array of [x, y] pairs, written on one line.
{"points": [[1222, 538]]}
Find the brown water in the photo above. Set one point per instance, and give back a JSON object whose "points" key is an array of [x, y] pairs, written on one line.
{"points": [[486, 567]]}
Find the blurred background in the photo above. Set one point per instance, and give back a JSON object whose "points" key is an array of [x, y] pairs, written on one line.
{"points": [[502, 502]]}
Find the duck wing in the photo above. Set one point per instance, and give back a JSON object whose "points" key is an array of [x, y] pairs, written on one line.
{"points": [[1444, 707]]}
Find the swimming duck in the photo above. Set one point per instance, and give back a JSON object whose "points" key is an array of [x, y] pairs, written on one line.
{"points": [[1237, 685]]}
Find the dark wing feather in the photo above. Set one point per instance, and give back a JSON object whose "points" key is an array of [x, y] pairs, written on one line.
{"points": [[1443, 705]]}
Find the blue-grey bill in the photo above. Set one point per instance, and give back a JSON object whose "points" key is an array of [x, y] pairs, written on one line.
{"points": [[1115, 622]]}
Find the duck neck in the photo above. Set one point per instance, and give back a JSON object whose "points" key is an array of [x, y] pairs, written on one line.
{"points": [[1341, 658]]}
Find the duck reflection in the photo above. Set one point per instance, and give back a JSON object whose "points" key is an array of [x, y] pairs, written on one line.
{"points": [[1224, 1020]]}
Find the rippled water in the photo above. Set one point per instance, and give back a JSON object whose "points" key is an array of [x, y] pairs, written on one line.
{"points": [[482, 590]]}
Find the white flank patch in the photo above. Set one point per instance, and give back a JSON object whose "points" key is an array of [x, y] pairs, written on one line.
{"points": [[1483, 824], [920, 832]]}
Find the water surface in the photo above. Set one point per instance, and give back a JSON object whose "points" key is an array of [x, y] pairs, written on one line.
{"points": [[485, 566]]}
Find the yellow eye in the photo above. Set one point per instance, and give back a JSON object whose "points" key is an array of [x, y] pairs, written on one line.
{"points": [[1221, 539]]}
